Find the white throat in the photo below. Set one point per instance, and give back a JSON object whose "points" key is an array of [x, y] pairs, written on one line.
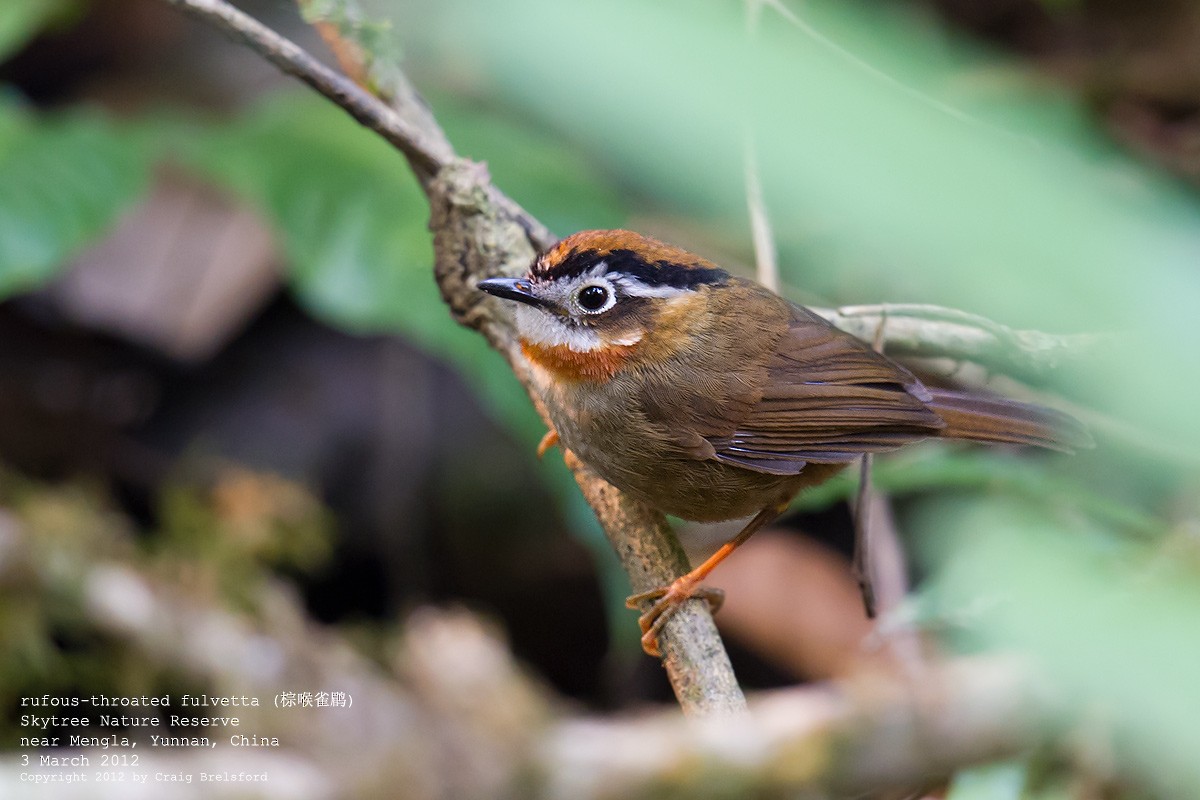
{"points": [[540, 328]]}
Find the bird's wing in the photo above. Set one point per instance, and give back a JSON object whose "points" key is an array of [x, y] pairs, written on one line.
{"points": [[828, 398]]}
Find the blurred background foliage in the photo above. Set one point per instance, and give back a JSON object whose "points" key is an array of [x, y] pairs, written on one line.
{"points": [[223, 357]]}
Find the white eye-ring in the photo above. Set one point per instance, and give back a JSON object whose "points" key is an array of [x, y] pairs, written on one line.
{"points": [[595, 297]]}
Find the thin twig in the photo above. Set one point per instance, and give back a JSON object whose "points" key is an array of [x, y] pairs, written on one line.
{"points": [[862, 564], [928, 331], [870, 69], [766, 255], [902, 639]]}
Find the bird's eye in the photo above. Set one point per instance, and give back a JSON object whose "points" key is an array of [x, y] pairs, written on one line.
{"points": [[595, 298]]}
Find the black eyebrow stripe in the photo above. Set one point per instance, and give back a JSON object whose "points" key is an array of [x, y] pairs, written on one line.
{"points": [[663, 273], [628, 262]]}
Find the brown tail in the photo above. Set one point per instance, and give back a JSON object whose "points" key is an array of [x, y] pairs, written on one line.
{"points": [[994, 419]]}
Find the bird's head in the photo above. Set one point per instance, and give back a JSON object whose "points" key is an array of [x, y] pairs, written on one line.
{"points": [[591, 301]]}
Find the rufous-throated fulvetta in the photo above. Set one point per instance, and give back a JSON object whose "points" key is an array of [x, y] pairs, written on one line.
{"points": [[712, 398]]}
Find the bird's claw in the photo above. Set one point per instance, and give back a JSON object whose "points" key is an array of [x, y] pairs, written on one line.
{"points": [[548, 441], [667, 600]]}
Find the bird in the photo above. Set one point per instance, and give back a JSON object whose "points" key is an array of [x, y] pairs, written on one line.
{"points": [[711, 398]]}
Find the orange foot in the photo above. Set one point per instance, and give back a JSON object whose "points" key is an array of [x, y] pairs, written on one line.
{"points": [[548, 441], [667, 600]]}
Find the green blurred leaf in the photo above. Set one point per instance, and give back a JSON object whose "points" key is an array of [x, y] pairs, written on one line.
{"points": [[353, 224], [15, 123], [1113, 627], [351, 217], [993, 782], [20, 20], [63, 181], [946, 467]]}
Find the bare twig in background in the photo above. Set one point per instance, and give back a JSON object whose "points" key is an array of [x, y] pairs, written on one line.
{"points": [[478, 232], [766, 257], [870, 69], [902, 639], [891, 576], [928, 331], [863, 565]]}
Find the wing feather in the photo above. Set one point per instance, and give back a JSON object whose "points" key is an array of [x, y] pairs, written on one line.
{"points": [[828, 398]]}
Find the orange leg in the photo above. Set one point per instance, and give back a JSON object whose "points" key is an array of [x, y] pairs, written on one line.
{"points": [[668, 599], [548, 441]]}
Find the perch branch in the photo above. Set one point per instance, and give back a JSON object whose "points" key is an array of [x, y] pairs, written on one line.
{"points": [[479, 233]]}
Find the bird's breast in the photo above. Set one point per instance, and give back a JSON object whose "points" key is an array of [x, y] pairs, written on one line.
{"points": [[565, 364], [652, 456]]}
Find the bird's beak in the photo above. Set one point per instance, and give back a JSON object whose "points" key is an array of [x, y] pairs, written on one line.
{"points": [[517, 289]]}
